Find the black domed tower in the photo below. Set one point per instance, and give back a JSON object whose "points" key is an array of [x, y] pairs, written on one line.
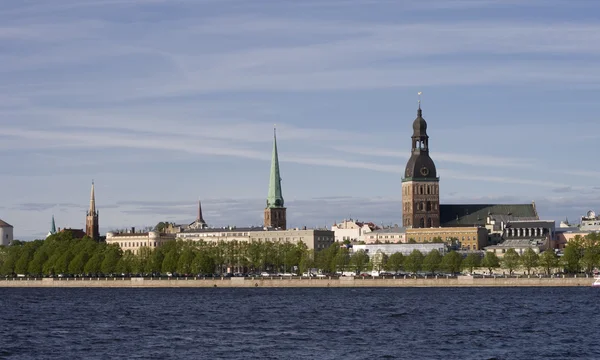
{"points": [[420, 185]]}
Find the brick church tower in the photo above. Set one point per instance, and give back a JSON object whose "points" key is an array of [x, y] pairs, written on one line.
{"points": [[275, 212], [420, 185], [91, 220]]}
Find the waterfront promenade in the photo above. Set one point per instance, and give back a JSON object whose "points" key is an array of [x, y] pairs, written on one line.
{"points": [[460, 281]]}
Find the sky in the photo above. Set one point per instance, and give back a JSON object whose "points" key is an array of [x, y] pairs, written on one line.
{"points": [[164, 102]]}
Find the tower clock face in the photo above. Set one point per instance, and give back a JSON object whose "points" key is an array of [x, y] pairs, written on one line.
{"points": [[424, 171]]}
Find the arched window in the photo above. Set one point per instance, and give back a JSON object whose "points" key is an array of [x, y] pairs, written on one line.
{"points": [[422, 223], [429, 206], [429, 223], [428, 189]]}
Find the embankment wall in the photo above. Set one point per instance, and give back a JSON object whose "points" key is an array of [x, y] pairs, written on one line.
{"points": [[461, 281]]}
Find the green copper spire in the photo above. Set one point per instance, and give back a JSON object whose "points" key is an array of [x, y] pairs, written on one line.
{"points": [[275, 198], [53, 228]]}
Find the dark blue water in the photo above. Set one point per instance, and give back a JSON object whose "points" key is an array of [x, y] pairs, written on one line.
{"points": [[405, 323]]}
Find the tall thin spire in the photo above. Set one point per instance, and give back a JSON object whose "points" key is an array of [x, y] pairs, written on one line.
{"points": [[53, 227], [199, 219], [92, 201], [275, 197]]}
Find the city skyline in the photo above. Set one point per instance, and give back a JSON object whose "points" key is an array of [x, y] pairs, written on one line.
{"points": [[162, 103]]}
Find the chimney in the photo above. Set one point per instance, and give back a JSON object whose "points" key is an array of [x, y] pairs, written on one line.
{"points": [[133, 230]]}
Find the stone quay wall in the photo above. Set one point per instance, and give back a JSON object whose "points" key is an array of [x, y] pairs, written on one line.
{"points": [[461, 281]]}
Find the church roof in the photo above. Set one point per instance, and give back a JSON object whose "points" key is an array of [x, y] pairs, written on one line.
{"points": [[476, 214], [275, 197], [4, 224]]}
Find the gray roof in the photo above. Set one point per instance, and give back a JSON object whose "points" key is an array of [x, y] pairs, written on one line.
{"points": [[225, 229], [4, 224], [516, 243], [390, 230], [530, 224], [476, 214]]}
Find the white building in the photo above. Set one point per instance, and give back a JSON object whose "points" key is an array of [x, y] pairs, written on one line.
{"points": [[405, 249], [133, 241], [314, 239], [590, 222], [393, 234], [6, 233], [351, 230]]}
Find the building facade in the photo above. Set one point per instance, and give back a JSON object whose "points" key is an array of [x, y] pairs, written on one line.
{"points": [[275, 216], [590, 222], [519, 245], [404, 249], [6, 233], [313, 238], [394, 234], [467, 238], [132, 241], [91, 219], [351, 230], [420, 185]]}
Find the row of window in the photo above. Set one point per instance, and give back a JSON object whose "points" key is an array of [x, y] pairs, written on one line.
{"points": [[422, 190], [136, 243]]}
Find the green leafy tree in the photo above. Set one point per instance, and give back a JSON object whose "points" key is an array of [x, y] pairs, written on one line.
{"points": [[306, 261], [111, 259], [490, 261], [61, 265], [143, 261], [529, 260], [186, 259], [254, 253], [342, 259], [203, 263], [395, 262], [326, 258], [77, 264], [452, 262], [359, 260], [471, 262], [22, 263], [433, 261], [511, 260], [170, 262], [156, 261], [126, 263], [94, 264], [548, 260], [414, 262], [36, 264], [591, 253], [572, 257]]}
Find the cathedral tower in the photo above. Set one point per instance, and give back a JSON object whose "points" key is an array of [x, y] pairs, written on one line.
{"points": [[275, 216], [91, 220], [420, 185]]}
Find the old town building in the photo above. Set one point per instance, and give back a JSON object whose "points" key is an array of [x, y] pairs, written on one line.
{"points": [[275, 212], [420, 185]]}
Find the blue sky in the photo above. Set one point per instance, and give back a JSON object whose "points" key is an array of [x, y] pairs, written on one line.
{"points": [[162, 102]]}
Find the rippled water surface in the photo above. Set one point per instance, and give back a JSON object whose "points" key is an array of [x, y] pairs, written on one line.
{"points": [[363, 323]]}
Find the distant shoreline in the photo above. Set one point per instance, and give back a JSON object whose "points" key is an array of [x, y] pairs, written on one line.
{"points": [[343, 282]]}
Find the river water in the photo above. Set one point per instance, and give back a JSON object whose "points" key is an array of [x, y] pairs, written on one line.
{"points": [[333, 323]]}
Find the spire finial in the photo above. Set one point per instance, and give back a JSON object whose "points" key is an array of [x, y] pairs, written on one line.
{"points": [[419, 94], [274, 130]]}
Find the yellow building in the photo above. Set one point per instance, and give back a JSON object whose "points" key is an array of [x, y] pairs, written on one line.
{"points": [[133, 241], [469, 238]]}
